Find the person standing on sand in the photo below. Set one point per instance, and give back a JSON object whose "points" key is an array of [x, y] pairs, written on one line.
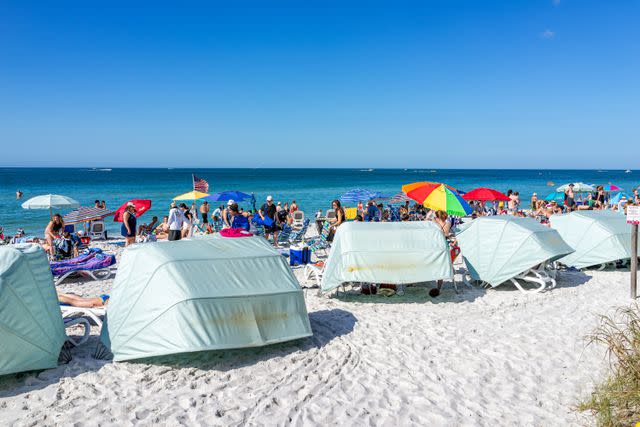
{"points": [[128, 228], [53, 232], [534, 201], [569, 198], [268, 210], [204, 213], [176, 219]]}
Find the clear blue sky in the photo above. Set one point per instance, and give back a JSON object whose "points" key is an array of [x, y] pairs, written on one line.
{"points": [[431, 84]]}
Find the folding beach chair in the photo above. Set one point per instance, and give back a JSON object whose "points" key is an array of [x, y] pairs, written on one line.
{"points": [[284, 234], [298, 236], [321, 243]]}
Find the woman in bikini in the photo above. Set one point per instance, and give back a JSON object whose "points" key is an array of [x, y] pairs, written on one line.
{"points": [[53, 231]]}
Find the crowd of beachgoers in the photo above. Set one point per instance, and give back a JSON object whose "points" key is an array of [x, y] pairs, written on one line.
{"points": [[285, 225]]}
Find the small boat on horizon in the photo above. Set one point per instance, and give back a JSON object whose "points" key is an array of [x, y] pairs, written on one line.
{"points": [[627, 171]]}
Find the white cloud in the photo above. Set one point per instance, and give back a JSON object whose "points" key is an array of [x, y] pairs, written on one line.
{"points": [[556, 2], [548, 34]]}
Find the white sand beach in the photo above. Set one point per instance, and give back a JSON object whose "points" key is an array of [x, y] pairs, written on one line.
{"points": [[480, 357]]}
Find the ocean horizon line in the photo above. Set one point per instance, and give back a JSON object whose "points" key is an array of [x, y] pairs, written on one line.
{"points": [[356, 168]]}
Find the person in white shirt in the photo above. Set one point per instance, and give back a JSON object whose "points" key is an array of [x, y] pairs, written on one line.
{"points": [[176, 219]]}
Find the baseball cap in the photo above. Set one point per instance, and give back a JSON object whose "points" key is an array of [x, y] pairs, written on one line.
{"points": [[230, 202], [130, 204], [269, 198]]}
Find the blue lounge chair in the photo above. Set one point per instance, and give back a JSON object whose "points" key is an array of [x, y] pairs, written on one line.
{"points": [[285, 233], [298, 235], [321, 243]]}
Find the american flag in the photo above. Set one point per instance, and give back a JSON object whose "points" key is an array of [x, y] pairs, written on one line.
{"points": [[200, 184]]}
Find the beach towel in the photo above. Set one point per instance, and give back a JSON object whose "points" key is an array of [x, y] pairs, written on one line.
{"points": [[98, 262], [235, 232]]}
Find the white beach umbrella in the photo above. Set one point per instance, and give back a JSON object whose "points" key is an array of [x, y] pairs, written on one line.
{"points": [[50, 201], [578, 187]]}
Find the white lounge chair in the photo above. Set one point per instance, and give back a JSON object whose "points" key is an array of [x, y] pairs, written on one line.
{"points": [[298, 220], [94, 314], [314, 271], [97, 230], [73, 321]]}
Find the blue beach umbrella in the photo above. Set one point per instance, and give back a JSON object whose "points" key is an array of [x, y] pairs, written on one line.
{"points": [[359, 195], [225, 196], [556, 195]]}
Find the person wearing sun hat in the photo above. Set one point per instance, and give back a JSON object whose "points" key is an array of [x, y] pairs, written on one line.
{"points": [[226, 214], [129, 227]]}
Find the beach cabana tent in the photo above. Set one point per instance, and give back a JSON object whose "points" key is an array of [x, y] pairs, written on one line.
{"points": [[387, 252], [497, 249], [206, 293], [31, 326], [598, 237]]}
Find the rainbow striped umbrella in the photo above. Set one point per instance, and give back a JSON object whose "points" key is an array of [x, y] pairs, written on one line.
{"points": [[436, 196]]}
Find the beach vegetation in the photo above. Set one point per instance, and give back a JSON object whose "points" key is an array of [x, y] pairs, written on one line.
{"points": [[616, 400]]}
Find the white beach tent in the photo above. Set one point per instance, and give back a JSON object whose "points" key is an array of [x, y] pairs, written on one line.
{"points": [[598, 237], [31, 327], [206, 293], [387, 252]]}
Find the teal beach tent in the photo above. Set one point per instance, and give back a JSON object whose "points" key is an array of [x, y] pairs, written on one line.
{"points": [[206, 293], [31, 326], [499, 248], [387, 252], [598, 237]]}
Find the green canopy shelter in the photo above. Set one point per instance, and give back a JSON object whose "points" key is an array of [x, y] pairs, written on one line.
{"points": [[387, 252], [499, 248], [31, 327], [206, 293], [598, 237]]}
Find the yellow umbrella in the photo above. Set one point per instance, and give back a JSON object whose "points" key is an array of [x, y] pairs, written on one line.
{"points": [[191, 195]]}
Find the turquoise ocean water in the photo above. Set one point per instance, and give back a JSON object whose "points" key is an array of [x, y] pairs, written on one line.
{"points": [[311, 188]]}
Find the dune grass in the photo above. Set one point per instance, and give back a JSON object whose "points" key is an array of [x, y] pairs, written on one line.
{"points": [[616, 401]]}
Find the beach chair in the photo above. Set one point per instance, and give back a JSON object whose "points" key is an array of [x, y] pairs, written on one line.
{"points": [[394, 214], [321, 243], [298, 235], [97, 230], [77, 321], [94, 315], [285, 233], [217, 225], [97, 266], [330, 215], [298, 220], [314, 271]]}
